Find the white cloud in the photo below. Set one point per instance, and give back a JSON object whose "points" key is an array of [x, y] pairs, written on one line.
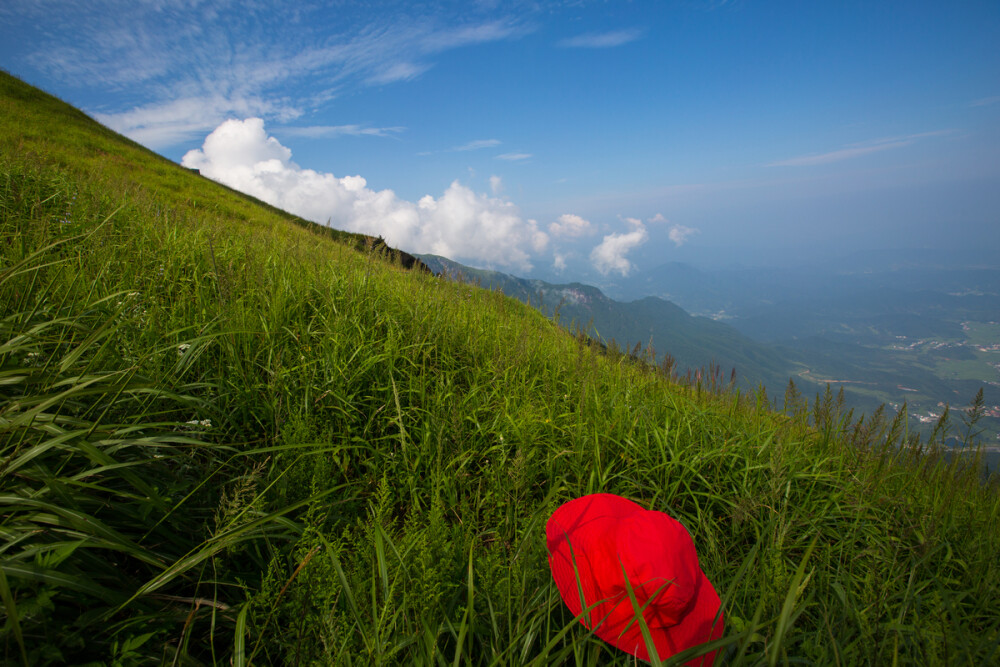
{"points": [[477, 144], [476, 34], [460, 224], [165, 124], [514, 156], [610, 254], [393, 72], [569, 224], [836, 156], [496, 184], [184, 71], [559, 262], [857, 150], [320, 131], [985, 101], [601, 40], [681, 233], [659, 217]]}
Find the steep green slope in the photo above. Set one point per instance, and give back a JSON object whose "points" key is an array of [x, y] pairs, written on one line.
{"points": [[227, 437]]}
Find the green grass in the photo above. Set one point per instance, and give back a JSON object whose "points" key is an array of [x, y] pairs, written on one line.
{"points": [[983, 333], [228, 436], [978, 370]]}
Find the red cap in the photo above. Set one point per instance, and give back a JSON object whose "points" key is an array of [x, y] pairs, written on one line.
{"points": [[604, 534]]}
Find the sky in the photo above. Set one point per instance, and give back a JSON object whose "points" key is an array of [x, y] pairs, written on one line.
{"points": [[567, 140]]}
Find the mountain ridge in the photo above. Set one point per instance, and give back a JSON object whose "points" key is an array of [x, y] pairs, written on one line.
{"points": [[651, 323]]}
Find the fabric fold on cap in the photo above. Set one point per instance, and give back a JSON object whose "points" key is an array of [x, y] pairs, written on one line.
{"points": [[607, 537]]}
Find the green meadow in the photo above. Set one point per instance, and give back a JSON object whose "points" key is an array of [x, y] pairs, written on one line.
{"points": [[974, 369], [983, 333], [229, 436]]}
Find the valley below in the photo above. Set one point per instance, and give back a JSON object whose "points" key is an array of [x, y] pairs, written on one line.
{"points": [[924, 338]]}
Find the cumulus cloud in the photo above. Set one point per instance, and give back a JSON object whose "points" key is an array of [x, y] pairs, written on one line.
{"points": [[679, 234], [570, 225], [610, 254], [496, 184], [460, 224]]}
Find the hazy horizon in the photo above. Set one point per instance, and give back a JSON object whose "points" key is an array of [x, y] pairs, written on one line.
{"points": [[566, 141]]}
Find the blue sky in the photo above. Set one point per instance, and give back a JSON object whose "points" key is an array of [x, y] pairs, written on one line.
{"points": [[579, 140]]}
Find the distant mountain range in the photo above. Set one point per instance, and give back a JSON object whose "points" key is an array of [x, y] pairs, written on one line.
{"points": [[652, 322], [740, 292], [891, 333]]}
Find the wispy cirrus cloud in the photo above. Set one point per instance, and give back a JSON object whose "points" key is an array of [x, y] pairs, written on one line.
{"points": [[476, 145], [170, 122], [190, 73], [514, 157], [327, 131], [394, 72], [857, 150], [601, 40], [985, 101]]}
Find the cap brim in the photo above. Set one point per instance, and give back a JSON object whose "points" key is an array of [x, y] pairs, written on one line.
{"points": [[697, 627]]}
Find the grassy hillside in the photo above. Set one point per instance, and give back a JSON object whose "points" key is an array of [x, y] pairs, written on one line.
{"points": [[227, 436], [658, 327]]}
